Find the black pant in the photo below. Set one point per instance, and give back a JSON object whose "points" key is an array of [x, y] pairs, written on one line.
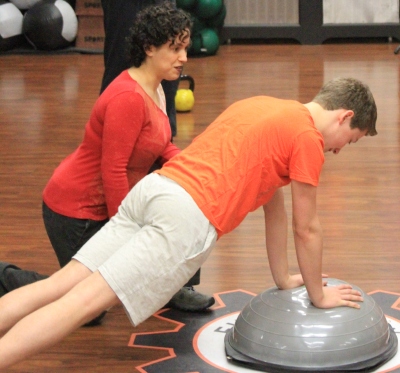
{"points": [[68, 235]]}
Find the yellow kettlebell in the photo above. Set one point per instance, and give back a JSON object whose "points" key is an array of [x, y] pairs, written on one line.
{"points": [[184, 98]]}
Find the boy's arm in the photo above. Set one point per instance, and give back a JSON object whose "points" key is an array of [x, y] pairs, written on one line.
{"points": [[308, 242], [307, 234], [276, 228]]}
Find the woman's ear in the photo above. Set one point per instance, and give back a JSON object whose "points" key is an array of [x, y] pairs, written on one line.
{"points": [[149, 51]]}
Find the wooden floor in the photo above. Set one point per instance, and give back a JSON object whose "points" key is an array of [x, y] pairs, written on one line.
{"points": [[46, 100]]}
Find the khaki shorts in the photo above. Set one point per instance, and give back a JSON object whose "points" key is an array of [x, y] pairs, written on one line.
{"points": [[154, 244]]}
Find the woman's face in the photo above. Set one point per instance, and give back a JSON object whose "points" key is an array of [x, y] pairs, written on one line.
{"points": [[169, 58]]}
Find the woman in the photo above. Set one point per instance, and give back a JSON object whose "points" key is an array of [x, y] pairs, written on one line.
{"points": [[127, 132]]}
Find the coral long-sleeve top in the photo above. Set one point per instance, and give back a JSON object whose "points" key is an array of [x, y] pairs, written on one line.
{"points": [[126, 133]]}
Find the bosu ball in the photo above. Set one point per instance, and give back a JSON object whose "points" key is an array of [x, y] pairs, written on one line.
{"points": [[281, 331]]}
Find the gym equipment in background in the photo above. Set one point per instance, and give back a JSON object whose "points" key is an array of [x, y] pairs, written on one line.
{"points": [[11, 35], [50, 25], [184, 98], [208, 18]]}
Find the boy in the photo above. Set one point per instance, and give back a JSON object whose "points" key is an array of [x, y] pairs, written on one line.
{"points": [[166, 226]]}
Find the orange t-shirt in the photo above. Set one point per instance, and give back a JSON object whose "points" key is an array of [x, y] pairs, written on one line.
{"points": [[254, 147]]}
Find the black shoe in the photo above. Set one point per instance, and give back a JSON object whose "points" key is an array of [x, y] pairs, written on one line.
{"points": [[13, 277], [188, 299], [96, 321]]}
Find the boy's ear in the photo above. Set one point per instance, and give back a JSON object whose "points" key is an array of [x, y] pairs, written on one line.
{"points": [[346, 114]]}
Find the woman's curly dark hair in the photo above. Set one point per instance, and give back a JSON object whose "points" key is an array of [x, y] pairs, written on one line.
{"points": [[155, 26]]}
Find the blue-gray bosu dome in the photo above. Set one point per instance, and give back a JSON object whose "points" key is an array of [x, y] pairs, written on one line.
{"points": [[281, 331]]}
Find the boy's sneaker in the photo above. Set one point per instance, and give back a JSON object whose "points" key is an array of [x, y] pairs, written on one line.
{"points": [[188, 299]]}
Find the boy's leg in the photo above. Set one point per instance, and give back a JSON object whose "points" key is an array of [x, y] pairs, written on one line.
{"points": [[22, 301], [56, 320]]}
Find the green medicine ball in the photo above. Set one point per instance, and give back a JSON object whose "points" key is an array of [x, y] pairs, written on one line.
{"points": [[209, 41], [219, 19], [207, 8]]}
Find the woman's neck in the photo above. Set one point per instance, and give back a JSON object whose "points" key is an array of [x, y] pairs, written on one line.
{"points": [[147, 81]]}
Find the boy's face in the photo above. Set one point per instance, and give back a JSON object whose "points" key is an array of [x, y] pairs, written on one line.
{"points": [[341, 136]]}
